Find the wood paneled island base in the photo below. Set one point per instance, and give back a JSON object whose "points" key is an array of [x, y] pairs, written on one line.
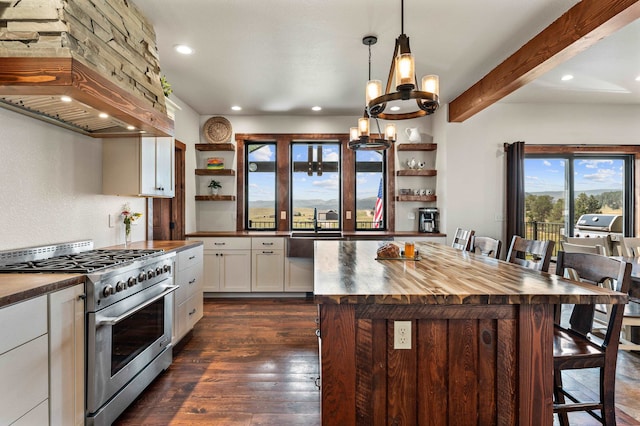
{"points": [[481, 337]]}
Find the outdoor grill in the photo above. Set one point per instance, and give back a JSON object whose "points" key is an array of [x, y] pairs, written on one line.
{"points": [[597, 225]]}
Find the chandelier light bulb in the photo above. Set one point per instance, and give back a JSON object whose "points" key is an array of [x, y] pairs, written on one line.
{"points": [[374, 89], [353, 134], [363, 126], [431, 84], [405, 71], [390, 132]]}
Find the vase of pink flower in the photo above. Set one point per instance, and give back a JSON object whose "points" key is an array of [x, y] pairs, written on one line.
{"points": [[128, 217]]}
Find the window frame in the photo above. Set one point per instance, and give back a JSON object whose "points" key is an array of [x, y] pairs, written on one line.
{"points": [[246, 186], [630, 153], [283, 178]]}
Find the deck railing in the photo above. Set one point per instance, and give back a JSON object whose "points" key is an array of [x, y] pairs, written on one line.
{"points": [[545, 231]]}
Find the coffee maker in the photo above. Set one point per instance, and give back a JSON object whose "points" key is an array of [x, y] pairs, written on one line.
{"points": [[428, 219]]}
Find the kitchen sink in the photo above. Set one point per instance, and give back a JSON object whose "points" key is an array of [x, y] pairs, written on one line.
{"points": [[300, 243]]}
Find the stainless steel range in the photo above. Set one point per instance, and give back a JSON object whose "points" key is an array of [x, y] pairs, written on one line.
{"points": [[129, 316]]}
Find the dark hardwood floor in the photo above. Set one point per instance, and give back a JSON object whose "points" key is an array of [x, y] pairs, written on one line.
{"points": [[255, 362]]}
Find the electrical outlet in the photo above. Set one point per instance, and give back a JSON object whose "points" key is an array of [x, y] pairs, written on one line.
{"points": [[348, 215], [411, 216], [402, 335], [112, 222]]}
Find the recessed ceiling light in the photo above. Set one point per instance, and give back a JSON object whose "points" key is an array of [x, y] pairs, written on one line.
{"points": [[103, 115], [395, 108], [184, 49], [236, 108], [567, 77], [65, 99], [130, 128], [316, 108]]}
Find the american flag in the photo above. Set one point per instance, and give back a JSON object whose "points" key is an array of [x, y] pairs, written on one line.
{"points": [[377, 213]]}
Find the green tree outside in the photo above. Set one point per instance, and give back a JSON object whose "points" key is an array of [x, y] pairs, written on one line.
{"points": [[586, 204]]}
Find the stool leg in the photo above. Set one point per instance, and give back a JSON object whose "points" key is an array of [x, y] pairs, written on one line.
{"points": [[559, 396]]}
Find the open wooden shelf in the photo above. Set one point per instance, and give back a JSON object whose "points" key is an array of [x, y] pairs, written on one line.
{"points": [[209, 172], [421, 198], [414, 172], [215, 197], [416, 147], [215, 147]]}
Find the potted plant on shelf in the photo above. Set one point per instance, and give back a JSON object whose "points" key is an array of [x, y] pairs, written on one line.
{"points": [[214, 185]]}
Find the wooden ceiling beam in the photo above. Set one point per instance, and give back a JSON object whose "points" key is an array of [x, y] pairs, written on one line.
{"points": [[578, 29]]}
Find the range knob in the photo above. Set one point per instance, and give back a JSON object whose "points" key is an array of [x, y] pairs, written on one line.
{"points": [[107, 291], [151, 273], [167, 268], [131, 282], [142, 277], [120, 285], [159, 270]]}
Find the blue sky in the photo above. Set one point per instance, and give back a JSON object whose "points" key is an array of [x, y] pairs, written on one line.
{"points": [[312, 187], [589, 174]]}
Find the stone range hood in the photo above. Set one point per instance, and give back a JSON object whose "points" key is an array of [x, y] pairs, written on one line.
{"points": [[100, 53]]}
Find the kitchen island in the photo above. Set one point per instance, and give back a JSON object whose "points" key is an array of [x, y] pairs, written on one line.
{"points": [[480, 336]]}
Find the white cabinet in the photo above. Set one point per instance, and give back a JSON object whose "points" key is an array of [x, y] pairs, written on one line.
{"points": [[267, 264], [298, 274], [188, 307], [141, 166], [227, 264], [66, 356], [24, 364]]}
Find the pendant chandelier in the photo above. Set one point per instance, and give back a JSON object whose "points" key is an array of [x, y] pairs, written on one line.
{"points": [[403, 68], [360, 137]]}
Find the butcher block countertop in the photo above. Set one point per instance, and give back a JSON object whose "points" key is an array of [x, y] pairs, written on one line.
{"points": [[347, 272], [346, 234], [19, 287]]}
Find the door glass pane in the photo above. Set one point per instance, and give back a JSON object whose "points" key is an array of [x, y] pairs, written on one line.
{"points": [[260, 179], [546, 199], [370, 190], [315, 186], [598, 186]]}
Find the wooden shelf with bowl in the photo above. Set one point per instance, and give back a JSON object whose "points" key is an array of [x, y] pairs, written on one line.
{"points": [[214, 172]]}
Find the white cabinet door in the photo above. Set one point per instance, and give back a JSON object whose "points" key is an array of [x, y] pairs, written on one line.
{"points": [[298, 274], [235, 270], [138, 166], [66, 356], [267, 270], [165, 181], [148, 166], [211, 271]]}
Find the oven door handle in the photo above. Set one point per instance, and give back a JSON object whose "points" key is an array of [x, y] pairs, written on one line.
{"points": [[115, 320]]}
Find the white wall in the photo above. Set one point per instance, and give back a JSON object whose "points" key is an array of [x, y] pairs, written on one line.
{"points": [[471, 174], [221, 216], [51, 187]]}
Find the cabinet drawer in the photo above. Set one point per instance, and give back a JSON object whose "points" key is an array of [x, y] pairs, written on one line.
{"points": [[190, 281], [24, 379], [22, 322], [267, 243], [190, 257], [227, 243]]}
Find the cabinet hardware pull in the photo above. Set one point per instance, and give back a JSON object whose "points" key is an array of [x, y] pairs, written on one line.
{"points": [[219, 244], [192, 281], [267, 244], [192, 257], [193, 311], [267, 252], [82, 296]]}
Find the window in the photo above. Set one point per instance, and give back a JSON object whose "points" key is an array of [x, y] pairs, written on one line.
{"points": [[561, 188], [260, 188], [370, 190], [311, 181], [315, 185]]}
